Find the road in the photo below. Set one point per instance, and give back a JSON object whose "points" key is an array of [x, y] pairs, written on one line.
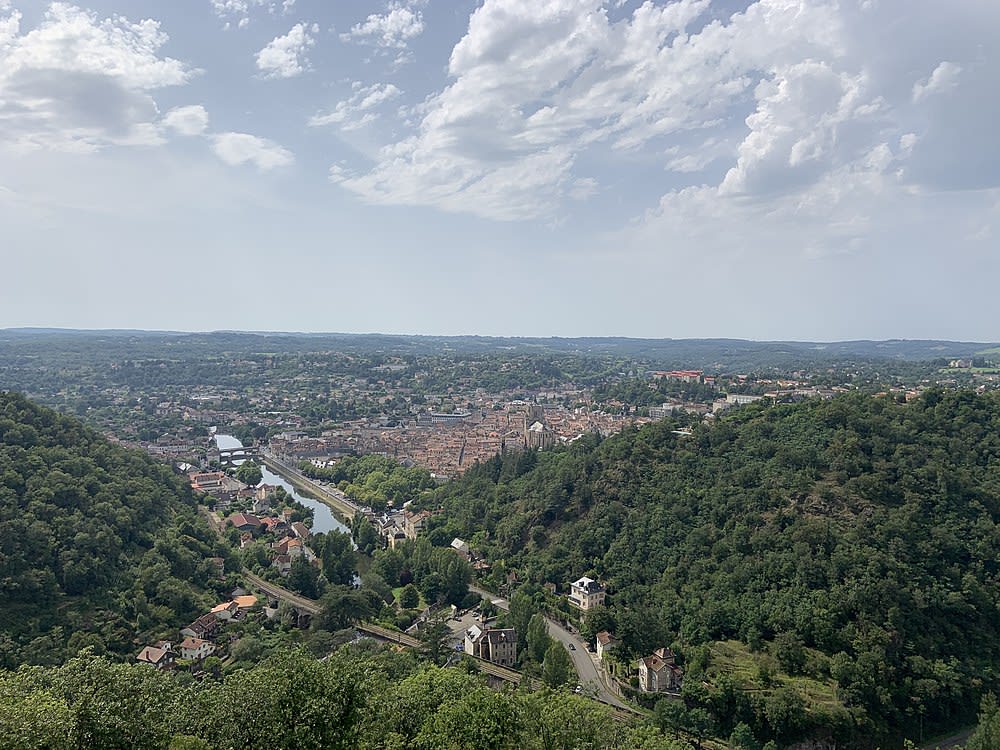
{"points": [[952, 741], [584, 662]]}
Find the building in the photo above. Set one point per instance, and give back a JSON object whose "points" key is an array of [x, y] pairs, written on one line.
{"points": [[160, 656], [605, 643], [538, 436], [461, 548], [495, 645], [415, 524], [246, 602], [225, 611], [658, 673], [586, 594], [196, 648], [741, 398], [684, 376], [204, 627], [661, 412], [245, 521]]}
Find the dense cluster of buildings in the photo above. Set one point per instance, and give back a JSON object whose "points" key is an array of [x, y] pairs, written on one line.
{"points": [[448, 444], [198, 639]]}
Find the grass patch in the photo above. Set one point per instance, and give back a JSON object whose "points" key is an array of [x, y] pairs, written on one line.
{"points": [[735, 659]]}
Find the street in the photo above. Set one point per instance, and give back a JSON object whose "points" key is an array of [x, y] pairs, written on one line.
{"points": [[583, 660], [585, 663]]}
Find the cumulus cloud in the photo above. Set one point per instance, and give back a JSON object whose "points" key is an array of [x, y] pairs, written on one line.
{"points": [[240, 11], [357, 110], [788, 92], [944, 77], [79, 83], [236, 149], [285, 56], [189, 120], [393, 29]]}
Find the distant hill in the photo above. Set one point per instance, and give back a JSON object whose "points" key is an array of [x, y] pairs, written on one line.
{"points": [[699, 353], [98, 544], [827, 569]]}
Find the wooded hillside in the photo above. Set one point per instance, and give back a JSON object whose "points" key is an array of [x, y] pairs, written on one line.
{"points": [[851, 543], [98, 544]]}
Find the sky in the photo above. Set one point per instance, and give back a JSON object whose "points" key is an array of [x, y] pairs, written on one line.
{"points": [[770, 169]]}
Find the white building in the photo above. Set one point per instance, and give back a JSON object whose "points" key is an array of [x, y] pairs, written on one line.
{"points": [[586, 594]]}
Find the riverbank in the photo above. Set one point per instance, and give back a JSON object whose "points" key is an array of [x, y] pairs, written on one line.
{"points": [[343, 509]]}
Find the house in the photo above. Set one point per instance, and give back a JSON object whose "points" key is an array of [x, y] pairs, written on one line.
{"points": [[605, 643], [462, 548], [586, 593], [283, 564], [204, 627], [658, 673], [245, 521], [196, 648], [209, 481], [245, 603], [495, 645], [274, 525], [415, 524], [160, 656], [300, 530], [225, 611]]}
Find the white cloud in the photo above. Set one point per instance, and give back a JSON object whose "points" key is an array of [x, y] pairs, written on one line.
{"points": [[285, 56], [362, 102], [78, 83], [189, 120], [796, 132], [944, 77], [784, 94], [401, 22], [242, 148], [240, 11]]}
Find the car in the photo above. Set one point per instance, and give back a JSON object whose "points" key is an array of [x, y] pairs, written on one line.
{"points": [[578, 689], [571, 647]]}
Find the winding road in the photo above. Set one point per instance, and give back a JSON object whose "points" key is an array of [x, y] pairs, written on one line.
{"points": [[584, 662]]}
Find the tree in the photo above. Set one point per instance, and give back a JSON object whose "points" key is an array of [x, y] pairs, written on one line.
{"points": [[700, 723], [303, 578], [435, 635], [337, 554], [538, 638], [409, 597], [521, 608], [670, 715], [987, 734], [556, 666], [790, 653], [249, 473], [342, 606], [742, 738]]}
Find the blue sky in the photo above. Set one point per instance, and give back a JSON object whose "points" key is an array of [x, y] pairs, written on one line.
{"points": [[800, 169]]}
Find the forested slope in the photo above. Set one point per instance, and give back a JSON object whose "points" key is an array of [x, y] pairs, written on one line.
{"points": [[856, 540], [98, 544], [369, 700]]}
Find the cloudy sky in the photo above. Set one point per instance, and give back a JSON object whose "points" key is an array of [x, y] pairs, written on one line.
{"points": [[779, 169]]}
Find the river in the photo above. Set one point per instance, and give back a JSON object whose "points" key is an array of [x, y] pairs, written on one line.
{"points": [[323, 518]]}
